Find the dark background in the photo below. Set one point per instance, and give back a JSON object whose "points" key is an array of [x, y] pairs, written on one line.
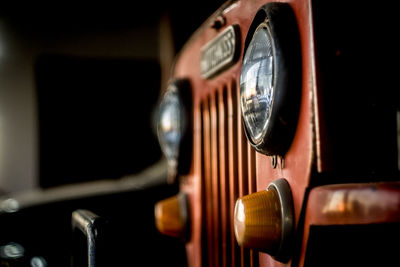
{"points": [[78, 85]]}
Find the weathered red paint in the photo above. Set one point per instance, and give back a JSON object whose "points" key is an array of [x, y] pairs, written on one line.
{"points": [[351, 204], [299, 158], [216, 101]]}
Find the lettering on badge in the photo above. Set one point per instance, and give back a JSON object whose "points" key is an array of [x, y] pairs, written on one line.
{"points": [[220, 53]]}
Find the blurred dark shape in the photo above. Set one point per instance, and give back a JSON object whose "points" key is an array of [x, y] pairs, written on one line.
{"points": [[38, 262], [356, 89], [94, 117], [11, 251], [130, 237]]}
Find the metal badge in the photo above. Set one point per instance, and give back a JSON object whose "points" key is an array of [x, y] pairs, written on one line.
{"points": [[221, 52]]}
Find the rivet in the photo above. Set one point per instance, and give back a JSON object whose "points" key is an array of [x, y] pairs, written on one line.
{"points": [[218, 23], [274, 161]]}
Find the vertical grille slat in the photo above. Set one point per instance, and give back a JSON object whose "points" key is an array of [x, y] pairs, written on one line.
{"points": [[204, 202], [215, 178], [251, 167], [233, 165], [228, 172], [224, 178], [243, 176], [251, 161], [208, 180]]}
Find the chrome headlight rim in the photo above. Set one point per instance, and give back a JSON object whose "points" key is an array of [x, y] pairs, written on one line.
{"points": [[280, 22]]}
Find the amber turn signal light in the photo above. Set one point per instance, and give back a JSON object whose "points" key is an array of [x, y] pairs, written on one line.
{"points": [[264, 220], [171, 216]]}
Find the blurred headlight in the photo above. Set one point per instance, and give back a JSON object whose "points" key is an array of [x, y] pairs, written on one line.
{"points": [[170, 123], [173, 126]]}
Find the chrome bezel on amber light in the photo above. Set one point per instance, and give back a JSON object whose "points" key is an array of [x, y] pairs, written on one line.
{"points": [[270, 94]]}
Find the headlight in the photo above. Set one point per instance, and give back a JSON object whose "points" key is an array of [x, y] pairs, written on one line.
{"points": [[170, 123], [173, 125], [256, 83], [270, 81]]}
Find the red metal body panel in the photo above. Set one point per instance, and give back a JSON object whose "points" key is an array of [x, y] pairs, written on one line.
{"points": [[225, 166], [351, 204], [297, 162]]}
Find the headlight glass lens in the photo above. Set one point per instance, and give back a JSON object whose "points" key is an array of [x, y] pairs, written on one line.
{"points": [[256, 83], [170, 123]]}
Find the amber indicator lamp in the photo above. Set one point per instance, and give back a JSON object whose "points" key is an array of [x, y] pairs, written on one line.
{"points": [[171, 216], [264, 220]]}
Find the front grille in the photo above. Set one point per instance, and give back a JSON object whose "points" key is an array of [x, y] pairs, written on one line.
{"points": [[228, 172]]}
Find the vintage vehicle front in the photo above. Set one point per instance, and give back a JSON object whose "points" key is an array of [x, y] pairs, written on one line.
{"points": [[280, 124]]}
